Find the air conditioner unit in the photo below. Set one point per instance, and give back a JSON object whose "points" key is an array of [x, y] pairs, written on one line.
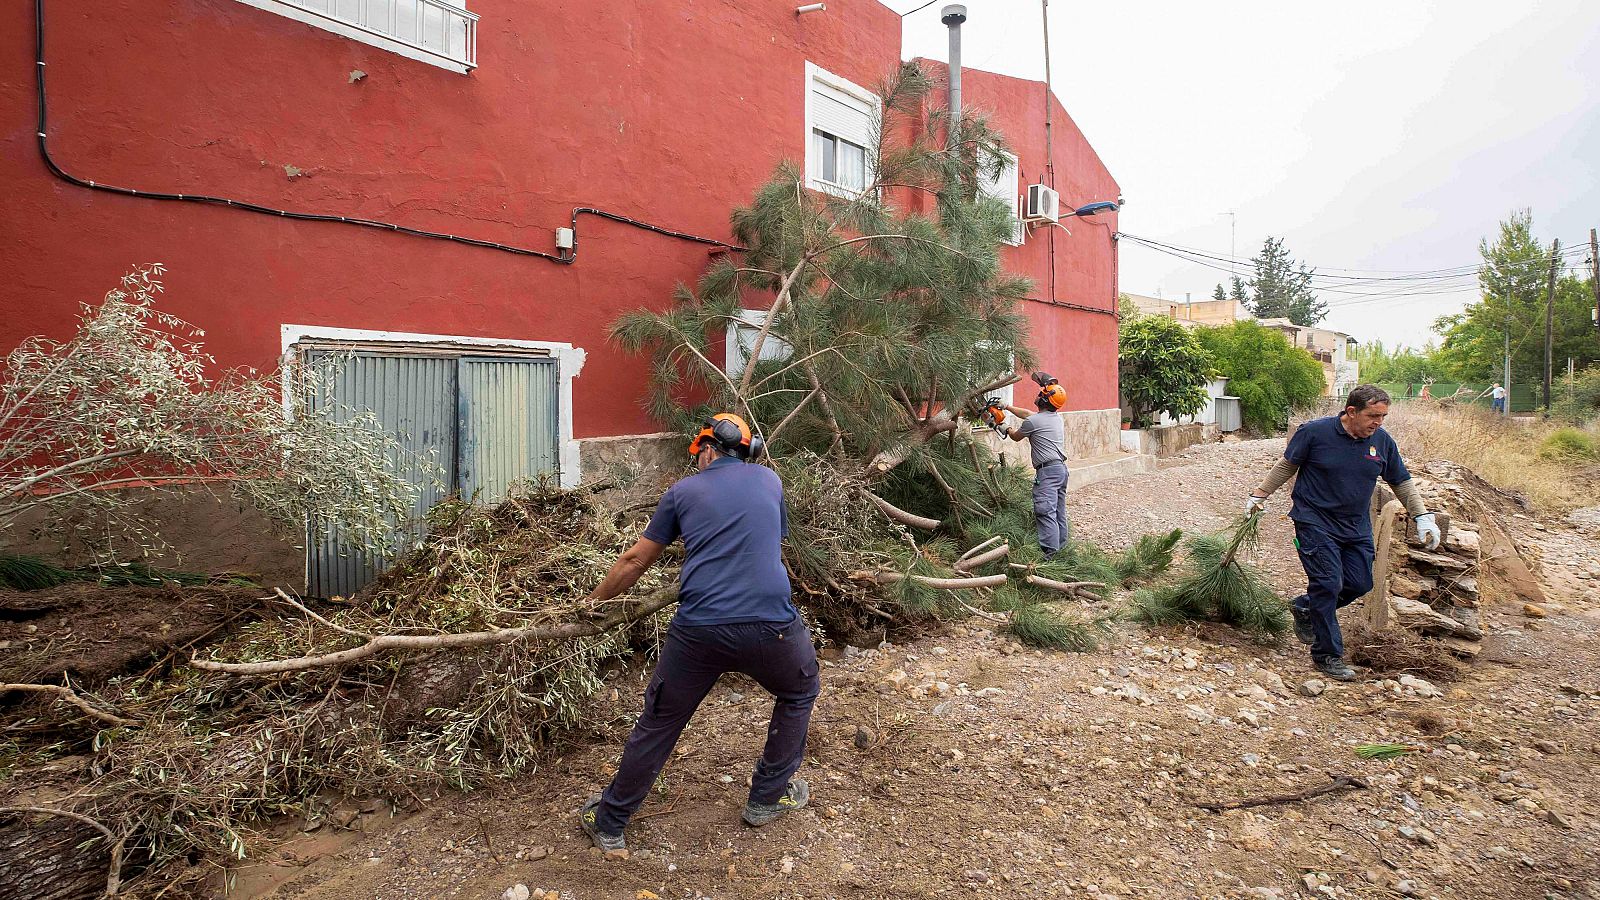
{"points": [[1044, 204]]}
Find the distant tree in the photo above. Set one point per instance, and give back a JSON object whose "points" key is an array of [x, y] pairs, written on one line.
{"points": [[1282, 287], [1269, 376], [1162, 367], [1401, 365], [1237, 291], [1127, 310], [1516, 268], [1219, 293]]}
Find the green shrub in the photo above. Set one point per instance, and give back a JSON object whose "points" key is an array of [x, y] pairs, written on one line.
{"points": [[1163, 369], [1569, 445], [1268, 375], [1578, 402]]}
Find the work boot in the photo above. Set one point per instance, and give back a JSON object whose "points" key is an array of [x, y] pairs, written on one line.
{"points": [[1336, 669], [1302, 622], [794, 796], [588, 822]]}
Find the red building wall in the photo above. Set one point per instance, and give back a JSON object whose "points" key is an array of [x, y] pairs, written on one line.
{"points": [[1074, 325], [670, 112]]}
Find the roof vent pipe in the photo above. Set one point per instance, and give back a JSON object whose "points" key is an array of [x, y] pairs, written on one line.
{"points": [[952, 16], [811, 7]]}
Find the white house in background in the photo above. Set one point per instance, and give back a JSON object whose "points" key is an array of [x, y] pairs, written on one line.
{"points": [[1334, 349], [1207, 415]]}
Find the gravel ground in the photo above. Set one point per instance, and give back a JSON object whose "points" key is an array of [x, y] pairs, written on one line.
{"points": [[993, 771]]}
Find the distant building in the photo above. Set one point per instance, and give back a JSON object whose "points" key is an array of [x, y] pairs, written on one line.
{"points": [[1334, 349], [1185, 312]]}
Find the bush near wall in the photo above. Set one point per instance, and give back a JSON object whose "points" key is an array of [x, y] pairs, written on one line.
{"points": [[1268, 374]]}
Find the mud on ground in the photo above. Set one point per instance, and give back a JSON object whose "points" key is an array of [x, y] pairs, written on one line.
{"points": [[994, 771]]}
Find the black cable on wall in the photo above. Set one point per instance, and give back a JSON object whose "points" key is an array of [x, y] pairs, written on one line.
{"points": [[567, 258]]}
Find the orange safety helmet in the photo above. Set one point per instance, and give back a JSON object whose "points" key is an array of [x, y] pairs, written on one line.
{"points": [[1052, 394], [730, 436]]}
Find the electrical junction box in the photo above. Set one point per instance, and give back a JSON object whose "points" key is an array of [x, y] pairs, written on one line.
{"points": [[565, 238]]}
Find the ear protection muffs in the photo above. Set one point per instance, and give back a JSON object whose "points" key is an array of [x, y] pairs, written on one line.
{"points": [[1052, 394], [730, 436]]}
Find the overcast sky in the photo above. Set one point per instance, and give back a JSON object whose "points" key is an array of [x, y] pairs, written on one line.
{"points": [[1370, 135]]}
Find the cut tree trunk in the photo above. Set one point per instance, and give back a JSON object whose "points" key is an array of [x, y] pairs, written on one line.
{"points": [[40, 859]]}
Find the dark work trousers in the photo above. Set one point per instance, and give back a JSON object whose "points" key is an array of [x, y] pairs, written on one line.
{"points": [[779, 657], [1338, 571], [1050, 506]]}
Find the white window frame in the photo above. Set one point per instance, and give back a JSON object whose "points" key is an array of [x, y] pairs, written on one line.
{"points": [[1007, 191], [569, 362], [873, 104], [736, 355], [303, 11]]}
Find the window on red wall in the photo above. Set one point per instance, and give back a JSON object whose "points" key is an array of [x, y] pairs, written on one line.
{"points": [[841, 133], [439, 32]]}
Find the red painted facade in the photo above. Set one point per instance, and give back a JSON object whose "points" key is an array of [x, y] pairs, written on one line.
{"points": [[672, 113]]}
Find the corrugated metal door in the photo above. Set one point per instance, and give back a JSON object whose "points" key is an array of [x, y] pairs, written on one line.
{"points": [[414, 401], [507, 424]]}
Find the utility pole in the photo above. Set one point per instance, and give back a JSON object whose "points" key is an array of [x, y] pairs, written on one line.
{"points": [[1549, 320], [1594, 274], [1505, 408]]}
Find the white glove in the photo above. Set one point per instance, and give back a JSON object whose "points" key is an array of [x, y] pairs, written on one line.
{"points": [[1254, 505], [1428, 531]]}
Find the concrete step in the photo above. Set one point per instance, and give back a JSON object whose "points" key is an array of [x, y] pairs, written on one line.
{"points": [[1084, 472]]}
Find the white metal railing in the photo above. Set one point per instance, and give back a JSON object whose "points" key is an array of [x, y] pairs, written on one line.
{"points": [[434, 27]]}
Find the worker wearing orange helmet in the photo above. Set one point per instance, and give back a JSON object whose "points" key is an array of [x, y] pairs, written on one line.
{"points": [[1046, 434], [734, 615]]}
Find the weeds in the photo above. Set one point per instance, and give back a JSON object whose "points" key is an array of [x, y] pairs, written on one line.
{"points": [[1504, 453]]}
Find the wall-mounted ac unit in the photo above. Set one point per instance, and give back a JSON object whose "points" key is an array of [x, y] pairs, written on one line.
{"points": [[1044, 204]]}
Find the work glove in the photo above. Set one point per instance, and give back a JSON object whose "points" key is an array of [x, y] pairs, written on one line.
{"points": [[1254, 505], [1428, 531]]}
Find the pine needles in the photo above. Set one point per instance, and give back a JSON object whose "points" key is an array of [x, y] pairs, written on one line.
{"points": [[1217, 585], [1056, 626], [1149, 556], [29, 573], [1384, 751]]}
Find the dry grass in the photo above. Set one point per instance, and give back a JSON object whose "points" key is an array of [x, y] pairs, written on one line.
{"points": [[1505, 454]]}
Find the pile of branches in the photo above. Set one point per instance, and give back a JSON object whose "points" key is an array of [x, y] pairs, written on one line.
{"points": [[501, 655]]}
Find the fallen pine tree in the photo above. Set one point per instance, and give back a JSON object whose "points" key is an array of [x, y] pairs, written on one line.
{"points": [[477, 652]]}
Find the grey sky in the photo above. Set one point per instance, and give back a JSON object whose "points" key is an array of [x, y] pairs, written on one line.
{"points": [[1371, 135]]}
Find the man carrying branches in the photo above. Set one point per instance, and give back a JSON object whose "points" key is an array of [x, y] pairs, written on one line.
{"points": [[734, 615], [1338, 460]]}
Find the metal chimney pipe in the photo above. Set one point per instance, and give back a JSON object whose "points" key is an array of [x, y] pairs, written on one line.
{"points": [[952, 16]]}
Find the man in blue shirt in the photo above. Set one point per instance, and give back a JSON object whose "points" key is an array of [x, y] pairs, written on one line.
{"points": [[1339, 459], [734, 615]]}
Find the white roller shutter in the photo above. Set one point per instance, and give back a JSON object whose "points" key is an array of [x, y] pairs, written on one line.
{"points": [[841, 115]]}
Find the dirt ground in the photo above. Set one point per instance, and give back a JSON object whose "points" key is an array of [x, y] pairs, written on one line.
{"points": [[994, 771]]}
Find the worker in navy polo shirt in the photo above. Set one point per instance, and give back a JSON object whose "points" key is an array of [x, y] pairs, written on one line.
{"points": [[1339, 459], [734, 615]]}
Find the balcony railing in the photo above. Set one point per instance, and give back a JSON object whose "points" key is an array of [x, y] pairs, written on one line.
{"points": [[433, 27]]}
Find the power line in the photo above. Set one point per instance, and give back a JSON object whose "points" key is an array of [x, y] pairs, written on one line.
{"points": [[1438, 282], [918, 9]]}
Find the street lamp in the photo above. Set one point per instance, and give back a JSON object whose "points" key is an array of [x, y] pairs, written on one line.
{"points": [[1096, 208]]}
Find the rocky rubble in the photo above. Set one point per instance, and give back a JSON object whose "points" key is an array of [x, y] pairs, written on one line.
{"points": [[1439, 592]]}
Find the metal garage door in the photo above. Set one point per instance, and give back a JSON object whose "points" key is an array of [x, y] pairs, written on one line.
{"points": [[507, 424], [486, 422]]}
